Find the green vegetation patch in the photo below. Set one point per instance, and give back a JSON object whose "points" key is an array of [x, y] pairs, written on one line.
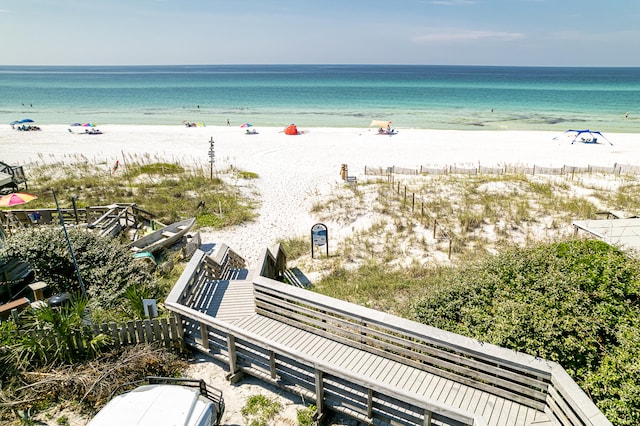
{"points": [[170, 191], [576, 303]]}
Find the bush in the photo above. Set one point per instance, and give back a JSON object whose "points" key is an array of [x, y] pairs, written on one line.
{"points": [[569, 302], [259, 410], [106, 266]]}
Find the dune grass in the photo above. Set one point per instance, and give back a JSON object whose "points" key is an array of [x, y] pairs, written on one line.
{"points": [[394, 239], [171, 191]]}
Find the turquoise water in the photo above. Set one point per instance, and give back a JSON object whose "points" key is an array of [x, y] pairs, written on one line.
{"points": [[436, 97]]}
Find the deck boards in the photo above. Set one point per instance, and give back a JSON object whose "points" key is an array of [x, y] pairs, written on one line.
{"points": [[232, 301]]}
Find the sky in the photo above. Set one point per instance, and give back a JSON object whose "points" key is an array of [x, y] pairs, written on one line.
{"points": [[431, 32]]}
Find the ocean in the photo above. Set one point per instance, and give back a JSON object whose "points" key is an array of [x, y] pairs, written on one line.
{"points": [[411, 96]]}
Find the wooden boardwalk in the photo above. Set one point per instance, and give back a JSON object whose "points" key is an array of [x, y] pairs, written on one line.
{"points": [[232, 302], [372, 366]]}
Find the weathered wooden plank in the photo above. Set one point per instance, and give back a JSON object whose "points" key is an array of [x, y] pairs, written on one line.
{"points": [[114, 334], [530, 416], [155, 326], [140, 331], [502, 415], [518, 415], [434, 386], [443, 360], [300, 341], [493, 403], [316, 346], [442, 393], [147, 331], [471, 400], [479, 350], [343, 355], [379, 368], [124, 334], [463, 394], [166, 337], [389, 371], [419, 378], [453, 393], [357, 359]]}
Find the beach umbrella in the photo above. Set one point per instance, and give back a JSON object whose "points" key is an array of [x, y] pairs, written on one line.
{"points": [[380, 123], [246, 125], [15, 199]]}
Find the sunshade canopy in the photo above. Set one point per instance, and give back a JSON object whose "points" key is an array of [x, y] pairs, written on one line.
{"points": [[380, 123], [592, 136]]}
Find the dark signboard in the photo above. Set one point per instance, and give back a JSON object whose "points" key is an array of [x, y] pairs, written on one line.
{"points": [[319, 237]]}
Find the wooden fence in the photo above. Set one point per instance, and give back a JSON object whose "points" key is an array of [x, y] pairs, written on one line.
{"points": [[616, 169], [164, 331]]}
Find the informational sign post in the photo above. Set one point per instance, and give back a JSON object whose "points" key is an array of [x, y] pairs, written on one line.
{"points": [[212, 156], [319, 238]]}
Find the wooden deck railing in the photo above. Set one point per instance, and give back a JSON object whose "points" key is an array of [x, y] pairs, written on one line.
{"points": [[330, 386], [528, 380], [534, 382], [107, 221]]}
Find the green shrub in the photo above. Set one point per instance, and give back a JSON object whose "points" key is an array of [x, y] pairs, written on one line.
{"points": [[107, 267], [569, 302], [259, 409], [305, 416]]}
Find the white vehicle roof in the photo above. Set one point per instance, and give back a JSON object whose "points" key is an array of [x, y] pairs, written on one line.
{"points": [[155, 405]]}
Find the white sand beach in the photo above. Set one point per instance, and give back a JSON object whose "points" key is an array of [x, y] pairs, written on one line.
{"points": [[297, 171]]}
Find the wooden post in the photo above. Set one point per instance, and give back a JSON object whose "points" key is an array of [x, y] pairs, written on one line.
{"points": [[114, 334], [204, 335], [165, 333], [319, 394], [234, 376], [427, 418], [147, 331], [177, 332], [272, 364], [132, 332]]}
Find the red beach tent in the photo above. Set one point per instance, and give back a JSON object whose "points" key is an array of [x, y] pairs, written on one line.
{"points": [[291, 130]]}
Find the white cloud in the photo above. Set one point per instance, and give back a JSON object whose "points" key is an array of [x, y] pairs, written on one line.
{"points": [[466, 35]]}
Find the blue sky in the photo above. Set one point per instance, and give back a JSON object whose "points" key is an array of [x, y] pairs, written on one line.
{"points": [[444, 32]]}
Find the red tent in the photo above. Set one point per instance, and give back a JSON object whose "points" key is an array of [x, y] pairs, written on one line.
{"points": [[291, 130]]}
